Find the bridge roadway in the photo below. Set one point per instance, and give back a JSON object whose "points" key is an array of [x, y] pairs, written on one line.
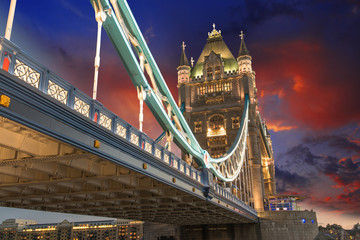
{"points": [[55, 157]]}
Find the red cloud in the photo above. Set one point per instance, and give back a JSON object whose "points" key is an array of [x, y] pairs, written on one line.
{"points": [[277, 126], [314, 87]]}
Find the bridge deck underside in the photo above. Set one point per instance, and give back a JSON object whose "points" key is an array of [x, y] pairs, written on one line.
{"points": [[41, 173]]}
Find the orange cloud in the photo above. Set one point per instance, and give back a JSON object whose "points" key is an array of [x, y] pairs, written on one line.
{"points": [[278, 126]]}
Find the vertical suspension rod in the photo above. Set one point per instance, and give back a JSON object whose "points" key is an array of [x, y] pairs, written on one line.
{"points": [[10, 20], [100, 17]]}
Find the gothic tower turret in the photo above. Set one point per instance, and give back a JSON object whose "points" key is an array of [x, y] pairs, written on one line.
{"points": [[183, 71], [183, 68], [245, 70], [244, 58]]}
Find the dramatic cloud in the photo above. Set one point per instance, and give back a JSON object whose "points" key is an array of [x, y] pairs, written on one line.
{"points": [[331, 182], [305, 53], [289, 182]]}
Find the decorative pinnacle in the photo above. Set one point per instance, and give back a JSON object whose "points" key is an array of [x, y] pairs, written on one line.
{"points": [[242, 35], [183, 46], [192, 62], [214, 32]]}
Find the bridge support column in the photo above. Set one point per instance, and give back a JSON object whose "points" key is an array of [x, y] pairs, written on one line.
{"points": [[256, 167]]}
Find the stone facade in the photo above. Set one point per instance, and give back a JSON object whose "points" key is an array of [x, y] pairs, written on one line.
{"points": [[284, 225]]}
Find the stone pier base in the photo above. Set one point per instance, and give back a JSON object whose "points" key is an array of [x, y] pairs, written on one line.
{"points": [[284, 225], [276, 225], [220, 231]]}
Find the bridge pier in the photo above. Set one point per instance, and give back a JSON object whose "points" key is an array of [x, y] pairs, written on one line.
{"points": [[220, 231]]}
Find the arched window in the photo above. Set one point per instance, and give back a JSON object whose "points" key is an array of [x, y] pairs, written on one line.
{"points": [[235, 122], [217, 72], [216, 122], [216, 126], [198, 127], [209, 72]]}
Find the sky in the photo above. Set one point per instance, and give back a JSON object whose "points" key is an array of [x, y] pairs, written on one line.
{"points": [[306, 58]]}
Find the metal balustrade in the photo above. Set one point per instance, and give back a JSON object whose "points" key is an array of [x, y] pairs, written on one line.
{"points": [[38, 76]]}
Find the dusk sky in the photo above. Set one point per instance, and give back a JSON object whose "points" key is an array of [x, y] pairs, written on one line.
{"points": [[305, 53]]}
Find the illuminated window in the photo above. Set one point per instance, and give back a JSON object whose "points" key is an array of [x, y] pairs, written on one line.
{"points": [[201, 90], [209, 72], [235, 122], [217, 72], [216, 126], [197, 127], [227, 87]]}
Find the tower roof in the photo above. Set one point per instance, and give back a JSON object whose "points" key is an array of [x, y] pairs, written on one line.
{"points": [[243, 49], [183, 60], [216, 44]]}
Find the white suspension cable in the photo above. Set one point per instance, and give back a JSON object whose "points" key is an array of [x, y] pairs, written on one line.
{"points": [[10, 20], [141, 96], [100, 17]]}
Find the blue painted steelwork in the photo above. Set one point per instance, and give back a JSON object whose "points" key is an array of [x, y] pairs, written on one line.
{"points": [[125, 35], [47, 103]]}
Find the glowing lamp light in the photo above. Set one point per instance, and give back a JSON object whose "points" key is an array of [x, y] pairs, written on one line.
{"points": [[303, 220]]}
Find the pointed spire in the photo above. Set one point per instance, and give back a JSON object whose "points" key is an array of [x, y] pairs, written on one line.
{"points": [[183, 60], [243, 49]]}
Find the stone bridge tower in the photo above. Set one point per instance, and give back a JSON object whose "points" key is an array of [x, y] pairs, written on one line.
{"points": [[213, 93]]}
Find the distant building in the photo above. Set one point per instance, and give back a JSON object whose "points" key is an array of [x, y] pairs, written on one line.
{"points": [[338, 233], [354, 234], [282, 203], [10, 227], [92, 230]]}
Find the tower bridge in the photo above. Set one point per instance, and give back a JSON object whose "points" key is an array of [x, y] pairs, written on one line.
{"points": [[56, 158], [63, 151]]}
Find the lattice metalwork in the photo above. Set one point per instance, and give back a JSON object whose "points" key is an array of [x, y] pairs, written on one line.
{"points": [[157, 153], [121, 131], [134, 139], [57, 92], [105, 121], [148, 147], [166, 158], [194, 175], [26, 73], [81, 107]]}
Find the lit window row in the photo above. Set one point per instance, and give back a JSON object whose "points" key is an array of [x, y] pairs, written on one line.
{"points": [[212, 88]]}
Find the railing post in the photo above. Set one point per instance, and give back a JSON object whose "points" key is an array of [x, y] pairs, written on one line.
{"points": [[71, 97], [95, 110], [44, 81], [208, 182]]}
